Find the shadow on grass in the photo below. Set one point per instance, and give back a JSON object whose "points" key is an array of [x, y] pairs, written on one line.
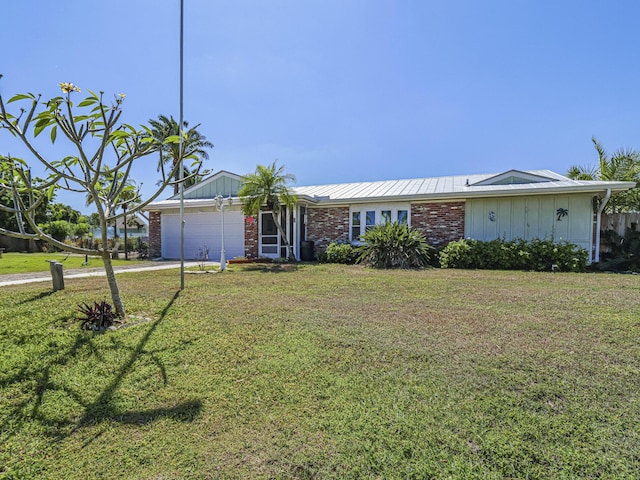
{"points": [[39, 296], [272, 268], [184, 412], [101, 409], [35, 376]]}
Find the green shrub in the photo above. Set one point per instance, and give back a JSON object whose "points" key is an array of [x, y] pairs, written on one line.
{"points": [[81, 229], [457, 254], [518, 254], [338, 252], [58, 229], [624, 254], [143, 249], [394, 245]]}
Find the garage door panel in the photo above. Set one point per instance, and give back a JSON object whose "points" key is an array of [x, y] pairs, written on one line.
{"points": [[200, 230]]}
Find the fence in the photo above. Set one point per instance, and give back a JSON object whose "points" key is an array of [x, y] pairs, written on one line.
{"points": [[620, 221], [11, 244]]}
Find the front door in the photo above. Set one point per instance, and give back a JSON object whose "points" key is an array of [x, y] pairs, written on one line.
{"points": [[272, 245], [269, 237]]}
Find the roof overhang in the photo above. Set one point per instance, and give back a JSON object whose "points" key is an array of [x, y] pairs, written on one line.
{"points": [[189, 203], [459, 188], [470, 192]]}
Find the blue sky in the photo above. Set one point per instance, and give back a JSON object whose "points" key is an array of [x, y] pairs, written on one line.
{"points": [[348, 90]]}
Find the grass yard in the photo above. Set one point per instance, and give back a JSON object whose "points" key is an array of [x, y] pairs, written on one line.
{"points": [[37, 262], [325, 371]]}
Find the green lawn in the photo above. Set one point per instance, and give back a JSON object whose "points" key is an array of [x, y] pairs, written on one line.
{"points": [[37, 262], [325, 372]]}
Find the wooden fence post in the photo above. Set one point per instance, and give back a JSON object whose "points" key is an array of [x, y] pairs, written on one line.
{"points": [[57, 275]]}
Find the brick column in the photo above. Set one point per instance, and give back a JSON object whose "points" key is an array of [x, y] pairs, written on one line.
{"points": [[155, 235], [251, 237]]}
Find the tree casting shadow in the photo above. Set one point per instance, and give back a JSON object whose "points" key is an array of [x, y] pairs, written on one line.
{"points": [[98, 410]]}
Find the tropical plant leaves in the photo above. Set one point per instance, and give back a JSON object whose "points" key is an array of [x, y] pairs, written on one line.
{"points": [[22, 96]]}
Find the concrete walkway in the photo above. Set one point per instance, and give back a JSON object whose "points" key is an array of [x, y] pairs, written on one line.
{"points": [[21, 278]]}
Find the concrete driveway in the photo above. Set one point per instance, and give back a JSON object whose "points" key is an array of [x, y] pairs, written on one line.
{"points": [[21, 278]]}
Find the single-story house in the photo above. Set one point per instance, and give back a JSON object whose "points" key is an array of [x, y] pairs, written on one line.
{"points": [[512, 204], [137, 227]]}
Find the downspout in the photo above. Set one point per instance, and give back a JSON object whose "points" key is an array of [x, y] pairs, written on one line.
{"points": [[601, 206]]}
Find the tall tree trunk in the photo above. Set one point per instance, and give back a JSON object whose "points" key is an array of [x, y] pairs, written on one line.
{"points": [[111, 277], [176, 187], [283, 235], [126, 251]]}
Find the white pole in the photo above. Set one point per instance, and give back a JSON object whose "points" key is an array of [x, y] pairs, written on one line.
{"points": [[603, 204], [181, 174], [223, 257]]}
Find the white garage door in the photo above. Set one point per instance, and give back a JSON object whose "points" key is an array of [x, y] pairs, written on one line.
{"points": [[200, 230]]}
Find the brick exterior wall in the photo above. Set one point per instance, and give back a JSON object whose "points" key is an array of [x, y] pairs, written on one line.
{"points": [[155, 235], [251, 237], [441, 223], [325, 225]]}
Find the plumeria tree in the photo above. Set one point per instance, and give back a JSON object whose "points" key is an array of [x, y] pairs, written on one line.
{"points": [[101, 153]]}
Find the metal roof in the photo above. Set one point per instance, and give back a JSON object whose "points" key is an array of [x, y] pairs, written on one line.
{"points": [[535, 182], [459, 186]]}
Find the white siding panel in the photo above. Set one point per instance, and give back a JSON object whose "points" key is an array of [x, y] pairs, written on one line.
{"points": [[530, 217], [503, 219], [580, 220], [518, 218], [202, 229], [546, 218]]}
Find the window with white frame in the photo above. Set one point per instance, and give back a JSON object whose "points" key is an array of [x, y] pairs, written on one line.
{"points": [[366, 217], [370, 220], [355, 225]]}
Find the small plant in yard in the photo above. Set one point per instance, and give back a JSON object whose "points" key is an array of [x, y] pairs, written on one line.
{"points": [[280, 260], [143, 250], [338, 252], [98, 316], [203, 257], [394, 245]]}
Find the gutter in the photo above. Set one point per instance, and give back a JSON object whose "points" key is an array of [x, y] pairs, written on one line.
{"points": [[603, 203]]}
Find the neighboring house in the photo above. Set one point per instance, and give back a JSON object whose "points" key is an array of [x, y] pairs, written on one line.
{"points": [[137, 227], [513, 204]]}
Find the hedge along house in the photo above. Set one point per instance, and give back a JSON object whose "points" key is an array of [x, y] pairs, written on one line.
{"points": [[513, 204]]}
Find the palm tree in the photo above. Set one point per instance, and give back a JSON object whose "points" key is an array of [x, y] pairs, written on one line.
{"points": [[194, 144], [267, 188], [622, 165]]}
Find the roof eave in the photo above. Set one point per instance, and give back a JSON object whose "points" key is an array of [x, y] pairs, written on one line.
{"points": [[468, 192], [476, 192], [188, 202]]}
